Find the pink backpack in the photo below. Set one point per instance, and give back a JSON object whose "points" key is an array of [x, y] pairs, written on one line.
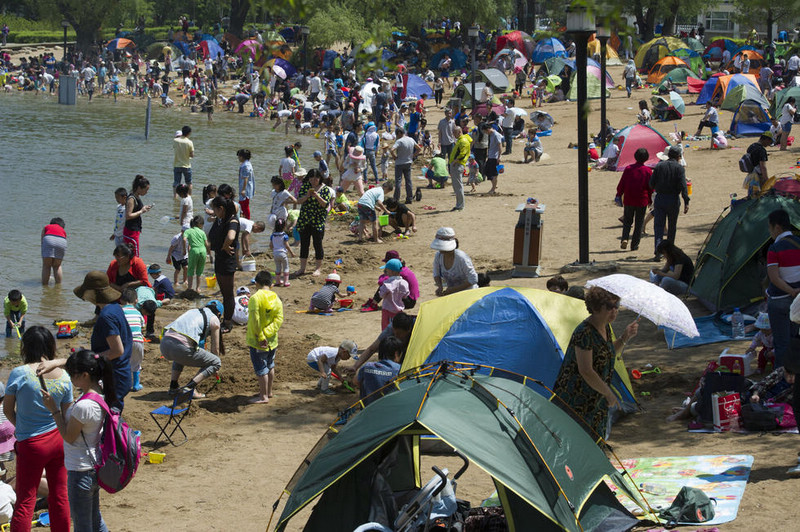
{"points": [[120, 449]]}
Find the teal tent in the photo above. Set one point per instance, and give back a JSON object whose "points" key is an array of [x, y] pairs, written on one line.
{"points": [[732, 264], [741, 93], [548, 472], [593, 87], [781, 97]]}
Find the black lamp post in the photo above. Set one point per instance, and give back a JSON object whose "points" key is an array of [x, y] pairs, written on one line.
{"points": [[304, 31], [473, 32], [581, 26], [65, 25], [603, 34]]}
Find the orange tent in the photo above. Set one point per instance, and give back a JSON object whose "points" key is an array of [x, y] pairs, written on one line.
{"points": [[725, 83], [756, 62], [664, 66]]}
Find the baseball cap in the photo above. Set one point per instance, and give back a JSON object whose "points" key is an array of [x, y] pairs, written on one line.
{"points": [[391, 254], [242, 290], [350, 346], [393, 265]]}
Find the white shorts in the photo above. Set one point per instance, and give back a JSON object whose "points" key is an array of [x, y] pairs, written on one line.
{"points": [[281, 263]]}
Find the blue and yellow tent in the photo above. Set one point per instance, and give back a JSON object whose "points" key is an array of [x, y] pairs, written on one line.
{"points": [[524, 330]]}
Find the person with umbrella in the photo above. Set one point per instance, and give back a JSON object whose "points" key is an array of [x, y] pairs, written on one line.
{"points": [[584, 381]]}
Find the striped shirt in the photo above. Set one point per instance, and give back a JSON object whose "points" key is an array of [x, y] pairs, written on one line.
{"points": [[785, 254], [135, 321]]}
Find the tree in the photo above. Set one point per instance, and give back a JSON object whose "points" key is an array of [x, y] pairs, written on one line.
{"points": [[85, 16], [751, 11]]}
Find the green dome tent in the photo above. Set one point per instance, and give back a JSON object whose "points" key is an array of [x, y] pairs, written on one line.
{"points": [[548, 472], [593, 87], [741, 93], [781, 97], [732, 262]]}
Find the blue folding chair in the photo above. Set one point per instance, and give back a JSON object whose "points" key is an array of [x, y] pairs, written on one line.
{"points": [[174, 416]]}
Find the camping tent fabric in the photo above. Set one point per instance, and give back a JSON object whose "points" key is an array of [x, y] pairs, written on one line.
{"points": [[555, 65], [593, 87], [547, 48], [496, 79], [457, 57], [741, 93], [416, 87], [664, 66], [523, 330], [519, 40], [594, 48], [211, 49], [717, 87], [781, 97], [751, 118], [668, 107], [695, 44], [678, 76], [756, 62], [694, 59], [596, 71], [532, 449], [694, 85], [508, 57], [650, 52], [730, 268], [639, 136], [715, 48]]}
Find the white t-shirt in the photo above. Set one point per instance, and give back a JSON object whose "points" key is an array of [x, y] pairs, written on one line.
{"points": [[371, 197], [324, 356], [180, 250], [189, 204], [787, 114], [208, 219], [245, 225], [288, 165], [314, 84], [77, 455], [279, 204]]}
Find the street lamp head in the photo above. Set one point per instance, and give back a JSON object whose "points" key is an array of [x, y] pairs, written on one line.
{"points": [[65, 23], [305, 30], [603, 32], [579, 21], [473, 32]]}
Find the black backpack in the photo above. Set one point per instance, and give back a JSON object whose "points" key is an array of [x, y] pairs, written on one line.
{"points": [[746, 164], [759, 418]]}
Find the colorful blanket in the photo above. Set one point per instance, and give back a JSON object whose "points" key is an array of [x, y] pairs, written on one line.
{"points": [[722, 478]]}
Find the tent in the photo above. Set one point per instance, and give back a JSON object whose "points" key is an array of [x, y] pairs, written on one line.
{"points": [[555, 65], [547, 48], [464, 92], [716, 88], [593, 86], [457, 57], [416, 87], [693, 59], [523, 330], [750, 118], [120, 44], [780, 99], [639, 136], [695, 44], [548, 472], [211, 49], [668, 106], [508, 59], [731, 265], [664, 66], [741, 93], [679, 76], [756, 62], [596, 71], [650, 52], [715, 49], [496, 79], [521, 41], [594, 48]]}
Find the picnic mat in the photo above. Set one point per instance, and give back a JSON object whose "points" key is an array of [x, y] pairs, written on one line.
{"points": [[712, 329], [722, 477]]}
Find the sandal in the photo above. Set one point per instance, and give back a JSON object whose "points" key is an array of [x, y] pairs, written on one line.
{"points": [[226, 329]]}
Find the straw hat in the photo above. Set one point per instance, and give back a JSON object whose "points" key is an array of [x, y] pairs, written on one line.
{"points": [[96, 289], [357, 152], [445, 239]]}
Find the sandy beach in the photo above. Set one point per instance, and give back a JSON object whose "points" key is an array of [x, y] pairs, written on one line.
{"points": [[239, 457]]}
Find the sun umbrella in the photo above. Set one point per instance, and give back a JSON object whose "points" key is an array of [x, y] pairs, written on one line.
{"points": [[119, 44], [249, 46], [553, 81], [519, 111], [649, 300]]}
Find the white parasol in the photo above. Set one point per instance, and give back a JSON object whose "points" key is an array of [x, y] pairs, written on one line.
{"points": [[519, 111], [649, 300]]}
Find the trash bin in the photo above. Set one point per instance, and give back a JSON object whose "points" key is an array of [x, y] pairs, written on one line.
{"points": [[67, 89], [528, 240]]}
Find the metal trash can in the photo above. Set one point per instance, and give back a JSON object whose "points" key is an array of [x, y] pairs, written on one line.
{"points": [[528, 240], [67, 89]]}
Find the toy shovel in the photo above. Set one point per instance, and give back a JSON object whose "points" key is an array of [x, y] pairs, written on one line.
{"points": [[636, 374]]}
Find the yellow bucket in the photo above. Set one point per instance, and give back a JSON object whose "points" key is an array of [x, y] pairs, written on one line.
{"points": [[155, 458], [211, 282]]}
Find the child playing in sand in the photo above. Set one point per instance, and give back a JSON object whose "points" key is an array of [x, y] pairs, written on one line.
{"points": [[323, 299], [533, 147], [401, 215], [163, 288], [199, 247], [370, 202], [136, 323], [353, 169], [119, 220], [15, 307], [325, 359], [340, 202], [763, 340], [279, 245], [392, 292], [178, 255]]}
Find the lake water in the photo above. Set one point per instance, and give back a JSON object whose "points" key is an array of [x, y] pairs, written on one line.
{"points": [[66, 161]]}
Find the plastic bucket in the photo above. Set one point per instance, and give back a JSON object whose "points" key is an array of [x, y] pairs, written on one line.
{"points": [[383, 219], [689, 187], [155, 458], [211, 282], [248, 263]]}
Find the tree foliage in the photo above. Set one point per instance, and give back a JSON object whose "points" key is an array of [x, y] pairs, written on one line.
{"points": [[767, 11]]}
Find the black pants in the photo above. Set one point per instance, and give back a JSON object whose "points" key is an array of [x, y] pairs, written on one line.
{"points": [[631, 214], [437, 96], [306, 235], [665, 212]]}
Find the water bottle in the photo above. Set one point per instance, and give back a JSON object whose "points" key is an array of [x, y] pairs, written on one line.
{"points": [[737, 325], [652, 489]]}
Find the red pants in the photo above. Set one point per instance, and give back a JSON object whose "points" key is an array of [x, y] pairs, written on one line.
{"points": [[245, 205], [132, 239], [386, 318], [43, 452]]}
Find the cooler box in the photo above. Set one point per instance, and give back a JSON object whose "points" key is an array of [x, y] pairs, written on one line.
{"points": [[740, 364]]}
